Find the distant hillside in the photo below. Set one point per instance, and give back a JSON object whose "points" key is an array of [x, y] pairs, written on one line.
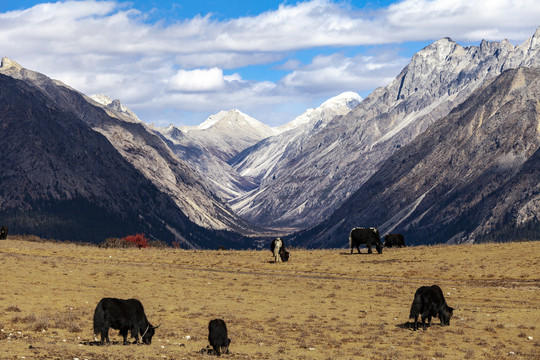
{"points": [[472, 176]]}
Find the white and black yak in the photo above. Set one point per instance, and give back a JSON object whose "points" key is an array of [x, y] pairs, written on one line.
{"points": [[278, 250]]}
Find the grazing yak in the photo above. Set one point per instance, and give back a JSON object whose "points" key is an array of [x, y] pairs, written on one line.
{"points": [[217, 336], [363, 236], [429, 302], [278, 250], [123, 315], [3, 232], [391, 240]]}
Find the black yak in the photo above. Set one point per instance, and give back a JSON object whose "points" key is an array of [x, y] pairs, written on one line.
{"points": [[391, 240], [362, 236], [217, 336], [429, 302], [3, 232], [123, 315]]}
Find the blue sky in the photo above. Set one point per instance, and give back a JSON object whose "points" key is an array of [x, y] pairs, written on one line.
{"points": [[181, 61]]}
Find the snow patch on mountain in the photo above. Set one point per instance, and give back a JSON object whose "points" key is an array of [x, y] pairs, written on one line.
{"points": [[259, 162], [336, 104]]}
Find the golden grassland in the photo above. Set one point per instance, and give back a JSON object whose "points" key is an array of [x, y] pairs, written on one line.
{"points": [[323, 304]]}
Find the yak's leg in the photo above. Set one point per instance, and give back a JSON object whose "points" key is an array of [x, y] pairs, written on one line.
{"points": [[124, 334], [415, 326], [369, 249], [135, 334], [424, 316], [358, 248], [105, 337]]}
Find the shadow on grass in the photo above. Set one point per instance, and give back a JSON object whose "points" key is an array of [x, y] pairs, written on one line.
{"points": [[410, 325], [406, 325], [98, 343], [355, 253]]}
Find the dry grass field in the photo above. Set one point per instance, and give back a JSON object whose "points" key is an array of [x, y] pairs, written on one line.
{"points": [[323, 304]]}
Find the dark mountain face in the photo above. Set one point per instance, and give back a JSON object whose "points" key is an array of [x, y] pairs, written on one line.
{"points": [[144, 150], [61, 179], [472, 176]]}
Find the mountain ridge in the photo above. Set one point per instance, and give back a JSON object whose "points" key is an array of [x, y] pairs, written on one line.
{"points": [[433, 195], [327, 166]]}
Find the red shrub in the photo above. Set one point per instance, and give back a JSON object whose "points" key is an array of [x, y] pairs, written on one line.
{"points": [[138, 239]]}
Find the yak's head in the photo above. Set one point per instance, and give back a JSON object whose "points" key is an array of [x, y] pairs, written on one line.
{"points": [[446, 315], [147, 335], [284, 254], [378, 246]]}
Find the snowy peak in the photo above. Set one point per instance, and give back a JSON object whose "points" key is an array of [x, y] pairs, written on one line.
{"points": [[348, 98], [235, 119], [224, 134], [337, 105]]}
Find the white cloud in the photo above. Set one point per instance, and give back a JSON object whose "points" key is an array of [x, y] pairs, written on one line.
{"points": [[339, 73], [158, 69], [197, 80]]}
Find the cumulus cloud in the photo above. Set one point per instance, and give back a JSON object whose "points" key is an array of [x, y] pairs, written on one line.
{"points": [[163, 69], [197, 80], [337, 72]]}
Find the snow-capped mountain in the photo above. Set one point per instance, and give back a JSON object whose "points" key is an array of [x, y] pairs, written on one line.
{"points": [[229, 132], [323, 169], [208, 146], [257, 163], [337, 105]]}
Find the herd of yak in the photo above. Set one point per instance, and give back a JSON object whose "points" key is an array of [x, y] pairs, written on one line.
{"points": [[128, 315], [428, 300]]}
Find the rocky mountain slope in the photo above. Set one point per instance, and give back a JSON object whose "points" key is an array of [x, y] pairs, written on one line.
{"points": [[320, 171], [208, 146], [472, 176], [257, 162], [145, 151]]}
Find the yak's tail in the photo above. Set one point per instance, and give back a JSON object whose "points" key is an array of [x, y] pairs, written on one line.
{"points": [[416, 306], [99, 318]]}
